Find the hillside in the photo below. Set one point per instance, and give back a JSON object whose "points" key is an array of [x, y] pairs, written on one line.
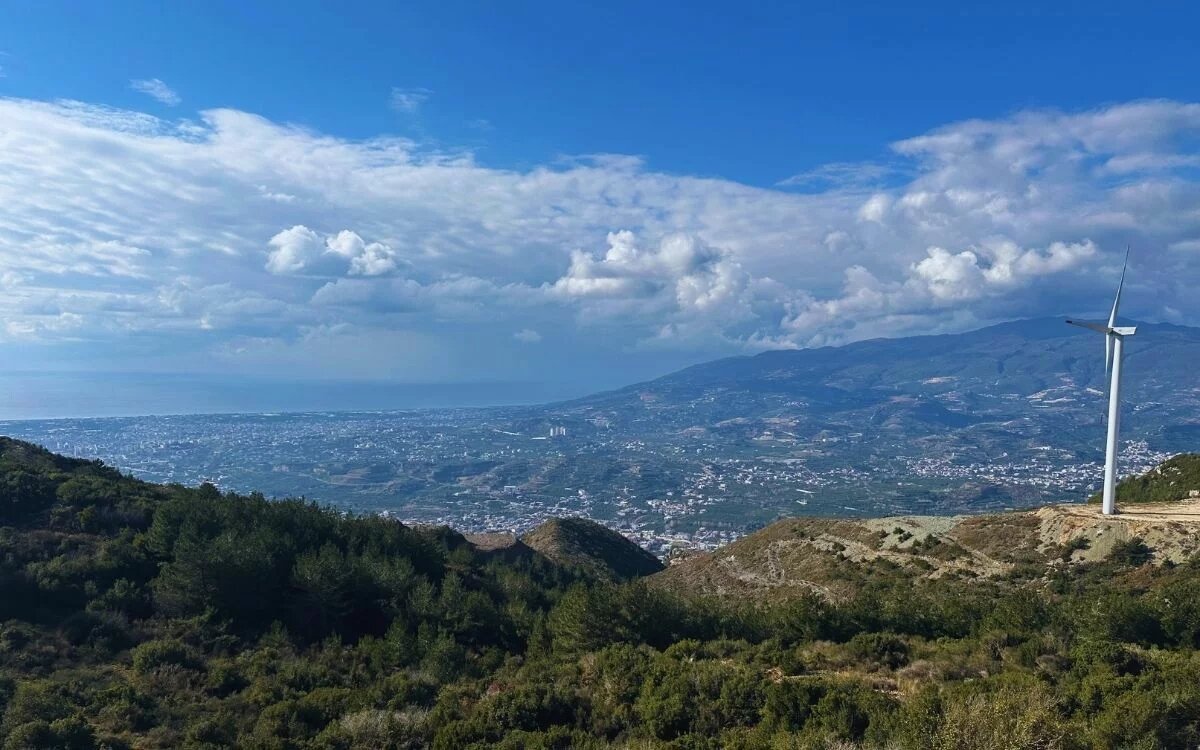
{"points": [[972, 382], [834, 557], [577, 544], [135, 615], [1177, 478], [581, 543]]}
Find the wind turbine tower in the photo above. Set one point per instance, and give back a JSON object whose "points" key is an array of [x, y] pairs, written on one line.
{"points": [[1114, 338]]}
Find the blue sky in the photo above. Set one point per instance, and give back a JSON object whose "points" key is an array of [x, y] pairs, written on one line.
{"points": [[571, 195], [753, 92]]}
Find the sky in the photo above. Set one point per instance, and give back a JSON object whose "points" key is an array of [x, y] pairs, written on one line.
{"points": [[539, 200]]}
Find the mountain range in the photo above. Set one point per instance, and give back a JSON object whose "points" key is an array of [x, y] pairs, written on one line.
{"points": [[979, 381]]}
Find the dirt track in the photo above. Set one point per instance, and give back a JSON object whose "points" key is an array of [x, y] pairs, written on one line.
{"points": [[1186, 511], [1172, 530]]}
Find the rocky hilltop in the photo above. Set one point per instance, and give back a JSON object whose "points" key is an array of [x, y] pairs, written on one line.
{"points": [[1159, 520], [833, 556]]}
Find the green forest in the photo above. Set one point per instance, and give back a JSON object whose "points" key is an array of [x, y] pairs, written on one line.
{"points": [[146, 616]]}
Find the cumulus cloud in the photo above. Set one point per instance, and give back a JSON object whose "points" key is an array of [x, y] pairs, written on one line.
{"points": [[300, 249], [679, 288], [682, 267], [156, 89], [292, 250], [935, 290], [118, 221], [994, 268]]}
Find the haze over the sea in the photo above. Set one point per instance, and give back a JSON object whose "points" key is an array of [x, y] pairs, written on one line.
{"points": [[59, 395]]}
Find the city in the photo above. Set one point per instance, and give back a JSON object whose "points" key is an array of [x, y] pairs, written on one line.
{"points": [[509, 469]]}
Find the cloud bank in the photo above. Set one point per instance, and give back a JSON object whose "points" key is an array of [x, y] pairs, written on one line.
{"points": [[231, 239]]}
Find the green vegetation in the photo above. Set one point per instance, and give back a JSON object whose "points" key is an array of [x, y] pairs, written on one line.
{"points": [[143, 616], [1173, 479], [586, 544]]}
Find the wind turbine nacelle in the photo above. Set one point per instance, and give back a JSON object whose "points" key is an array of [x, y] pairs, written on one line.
{"points": [[1124, 330]]}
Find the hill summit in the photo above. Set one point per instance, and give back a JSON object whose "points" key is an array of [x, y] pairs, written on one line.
{"points": [[580, 542]]}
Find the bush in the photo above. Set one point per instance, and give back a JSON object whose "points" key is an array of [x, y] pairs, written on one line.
{"points": [[375, 729], [849, 711], [886, 649], [38, 700], [1131, 552], [123, 596], [1000, 716], [63, 734], [154, 655]]}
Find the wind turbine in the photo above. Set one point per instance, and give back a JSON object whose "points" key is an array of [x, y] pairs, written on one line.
{"points": [[1114, 337]]}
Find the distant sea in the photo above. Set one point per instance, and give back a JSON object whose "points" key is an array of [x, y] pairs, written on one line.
{"points": [[58, 395]]}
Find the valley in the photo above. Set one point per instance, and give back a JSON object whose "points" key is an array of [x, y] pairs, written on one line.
{"points": [[1003, 417]]}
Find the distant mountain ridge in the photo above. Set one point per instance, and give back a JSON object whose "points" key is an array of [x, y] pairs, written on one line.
{"points": [[931, 384]]}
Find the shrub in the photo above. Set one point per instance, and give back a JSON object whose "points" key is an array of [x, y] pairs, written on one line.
{"points": [[1131, 552], [154, 655], [886, 649], [1018, 714]]}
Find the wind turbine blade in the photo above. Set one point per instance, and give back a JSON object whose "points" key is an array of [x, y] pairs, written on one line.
{"points": [[1108, 353], [1112, 318], [1090, 326]]}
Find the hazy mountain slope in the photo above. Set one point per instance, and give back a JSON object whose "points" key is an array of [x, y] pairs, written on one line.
{"points": [[930, 384]]}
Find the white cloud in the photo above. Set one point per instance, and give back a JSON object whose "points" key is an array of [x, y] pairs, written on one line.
{"points": [[156, 89], [935, 291], [681, 276], [408, 100], [294, 249], [1009, 265], [527, 336], [843, 175], [119, 221], [875, 209], [950, 276], [366, 259], [301, 250]]}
